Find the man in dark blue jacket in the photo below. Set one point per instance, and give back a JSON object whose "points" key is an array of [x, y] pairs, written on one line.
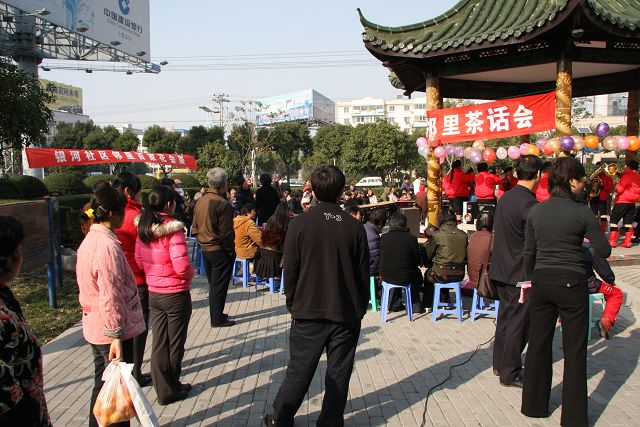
{"points": [[373, 227], [326, 277]]}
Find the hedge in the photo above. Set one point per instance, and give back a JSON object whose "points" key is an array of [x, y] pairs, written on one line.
{"points": [[148, 182], [74, 201], [65, 183], [8, 189], [187, 180], [95, 179], [71, 235], [30, 187]]}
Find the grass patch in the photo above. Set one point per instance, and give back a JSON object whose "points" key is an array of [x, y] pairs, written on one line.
{"points": [[47, 323], [12, 201]]}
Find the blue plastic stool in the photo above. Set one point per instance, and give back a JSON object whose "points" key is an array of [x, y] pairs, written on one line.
{"points": [[269, 282], [457, 310], [372, 293], [195, 249], [282, 282], [481, 306], [384, 305], [242, 273], [200, 268], [593, 322]]}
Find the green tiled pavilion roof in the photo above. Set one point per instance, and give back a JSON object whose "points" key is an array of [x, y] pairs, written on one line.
{"points": [[472, 22]]}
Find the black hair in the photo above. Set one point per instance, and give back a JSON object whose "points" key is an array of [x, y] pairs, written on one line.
{"points": [[107, 199], [378, 217], [128, 180], [428, 232], [528, 167], [397, 221], [447, 215], [546, 165], [633, 165], [265, 179], [11, 236], [157, 200], [457, 164], [327, 183], [298, 193], [280, 218], [483, 167], [485, 220], [352, 210], [563, 170], [247, 208], [167, 181]]}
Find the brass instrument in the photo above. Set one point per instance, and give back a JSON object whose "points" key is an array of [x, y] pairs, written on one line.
{"points": [[610, 169]]}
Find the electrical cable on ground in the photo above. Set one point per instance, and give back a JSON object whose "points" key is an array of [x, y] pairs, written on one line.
{"points": [[426, 402]]}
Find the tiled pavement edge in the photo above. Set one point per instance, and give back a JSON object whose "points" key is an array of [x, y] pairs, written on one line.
{"points": [[236, 371]]}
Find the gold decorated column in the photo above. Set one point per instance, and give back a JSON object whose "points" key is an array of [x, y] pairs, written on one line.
{"points": [[633, 118], [434, 179], [563, 98]]}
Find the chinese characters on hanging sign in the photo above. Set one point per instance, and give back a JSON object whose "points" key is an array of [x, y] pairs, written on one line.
{"points": [[49, 157], [498, 119]]}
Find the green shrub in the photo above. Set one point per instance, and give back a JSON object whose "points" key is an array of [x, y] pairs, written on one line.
{"points": [[187, 180], [92, 180], [65, 183], [148, 182], [30, 187], [74, 201], [71, 235], [8, 189]]}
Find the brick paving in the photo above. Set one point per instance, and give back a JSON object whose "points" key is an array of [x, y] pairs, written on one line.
{"points": [[236, 371]]}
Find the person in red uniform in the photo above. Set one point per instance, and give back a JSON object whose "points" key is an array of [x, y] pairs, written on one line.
{"points": [[508, 181], [485, 186], [624, 207], [542, 189], [598, 204], [456, 187]]}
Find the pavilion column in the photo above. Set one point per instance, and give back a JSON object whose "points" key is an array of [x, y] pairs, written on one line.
{"points": [[563, 97], [434, 172], [633, 119]]}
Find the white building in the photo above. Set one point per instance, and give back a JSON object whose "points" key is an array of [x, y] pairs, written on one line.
{"points": [[408, 114]]}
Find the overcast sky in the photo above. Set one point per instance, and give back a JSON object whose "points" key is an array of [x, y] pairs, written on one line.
{"points": [[249, 50]]}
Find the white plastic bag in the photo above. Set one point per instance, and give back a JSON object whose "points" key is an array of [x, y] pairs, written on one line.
{"points": [[144, 410]]}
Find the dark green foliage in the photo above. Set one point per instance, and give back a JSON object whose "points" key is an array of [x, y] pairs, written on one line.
{"points": [[74, 201], [8, 189], [30, 187], [65, 183], [148, 182], [70, 224], [188, 180], [216, 155], [92, 180]]}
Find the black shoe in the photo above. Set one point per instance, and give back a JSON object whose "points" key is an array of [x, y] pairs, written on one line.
{"points": [[269, 421], [515, 383], [397, 308], [419, 310], [184, 386], [224, 324], [180, 395], [496, 372], [144, 380]]}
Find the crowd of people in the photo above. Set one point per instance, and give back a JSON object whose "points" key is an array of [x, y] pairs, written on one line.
{"points": [[533, 225]]}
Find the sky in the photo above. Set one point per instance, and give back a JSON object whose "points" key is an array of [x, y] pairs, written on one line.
{"points": [[249, 50]]}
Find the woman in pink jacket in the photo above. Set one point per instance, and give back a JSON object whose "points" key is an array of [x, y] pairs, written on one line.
{"points": [[161, 251], [111, 311]]}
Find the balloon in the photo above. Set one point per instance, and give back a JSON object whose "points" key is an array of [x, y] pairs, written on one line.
{"points": [[423, 150], [622, 142], [588, 150], [439, 152], [591, 141], [479, 144], [422, 141], [548, 149], [476, 155], [467, 152], [533, 150], [554, 143], [514, 152], [540, 143], [448, 149], [602, 129], [458, 151], [634, 143], [523, 148], [609, 143], [433, 141], [501, 153], [566, 143], [578, 142], [489, 155]]}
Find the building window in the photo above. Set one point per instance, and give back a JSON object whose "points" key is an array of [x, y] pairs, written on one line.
{"points": [[391, 120], [346, 109], [407, 120], [356, 108], [359, 119], [407, 108], [347, 121], [390, 108], [422, 118], [421, 106]]}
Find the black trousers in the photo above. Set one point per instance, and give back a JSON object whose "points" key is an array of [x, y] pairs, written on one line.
{"points": [[100, 362], [512, 332], [219, 267], [308, 339], [598, 207], [170, 314], [430, 279], [556, 292], [140, 341], [624, 212]]}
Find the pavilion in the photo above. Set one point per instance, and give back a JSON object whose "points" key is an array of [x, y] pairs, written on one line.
{"points": [[494, 49]]}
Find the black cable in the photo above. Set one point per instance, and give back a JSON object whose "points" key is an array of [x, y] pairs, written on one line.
{"points": [[424, 413]]}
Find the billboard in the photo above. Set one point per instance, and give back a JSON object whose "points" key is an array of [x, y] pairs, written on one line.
{"points": [[121, 24], [301, 105], [66, 98]]}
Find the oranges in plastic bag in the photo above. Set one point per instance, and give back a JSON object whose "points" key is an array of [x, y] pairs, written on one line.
{"points": [[114, 403]]}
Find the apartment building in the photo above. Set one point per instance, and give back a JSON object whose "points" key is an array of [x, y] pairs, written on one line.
{"points": [[408, 114]]}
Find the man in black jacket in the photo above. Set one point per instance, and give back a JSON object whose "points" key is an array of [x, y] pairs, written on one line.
{"points": [[326, 275], [506, 270]]}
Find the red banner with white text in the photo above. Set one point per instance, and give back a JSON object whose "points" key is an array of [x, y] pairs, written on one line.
{"points": [[50, 157], [496, 119]]}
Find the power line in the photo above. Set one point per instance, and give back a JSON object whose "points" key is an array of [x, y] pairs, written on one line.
{"points": [[264, 55]]}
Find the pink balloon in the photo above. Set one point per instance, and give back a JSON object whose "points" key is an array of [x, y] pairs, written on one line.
{"points": [[433, 141], [540, 143], [421, 142], [439, 152], [514, 152], [622, 142], [523, 148]]}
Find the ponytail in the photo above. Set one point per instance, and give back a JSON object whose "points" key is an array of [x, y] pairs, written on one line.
{"points": [[158, 198]]}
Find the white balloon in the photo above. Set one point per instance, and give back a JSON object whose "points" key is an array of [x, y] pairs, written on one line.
{"points": [[501, 153]]}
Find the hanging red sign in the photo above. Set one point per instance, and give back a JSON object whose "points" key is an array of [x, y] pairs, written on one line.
{"points": [[50, 157], [497, 119]]}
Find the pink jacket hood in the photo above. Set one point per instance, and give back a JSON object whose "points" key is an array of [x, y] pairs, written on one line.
{"points": [[165, 261]]}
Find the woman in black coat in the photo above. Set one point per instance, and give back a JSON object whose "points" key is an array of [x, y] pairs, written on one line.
{"points": [[553, 262], [399, 262], [267, 199]]}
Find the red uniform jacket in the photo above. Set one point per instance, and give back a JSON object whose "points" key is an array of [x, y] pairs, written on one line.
{"points": [[607, 186], [127, 235], [485, 185], [459, 185], [628, 188], [542, 189]]}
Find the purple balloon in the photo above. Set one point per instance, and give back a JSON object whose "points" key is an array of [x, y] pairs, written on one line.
{"points": [[448, 149], [602, 129], [567, 143], [459, 151], [540, 143]]}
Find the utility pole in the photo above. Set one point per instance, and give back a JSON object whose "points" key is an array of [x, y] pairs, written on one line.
{"points": [[221, 99]]}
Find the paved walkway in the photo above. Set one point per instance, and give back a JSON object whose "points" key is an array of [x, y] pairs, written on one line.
{"points": [[236, 371]]}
